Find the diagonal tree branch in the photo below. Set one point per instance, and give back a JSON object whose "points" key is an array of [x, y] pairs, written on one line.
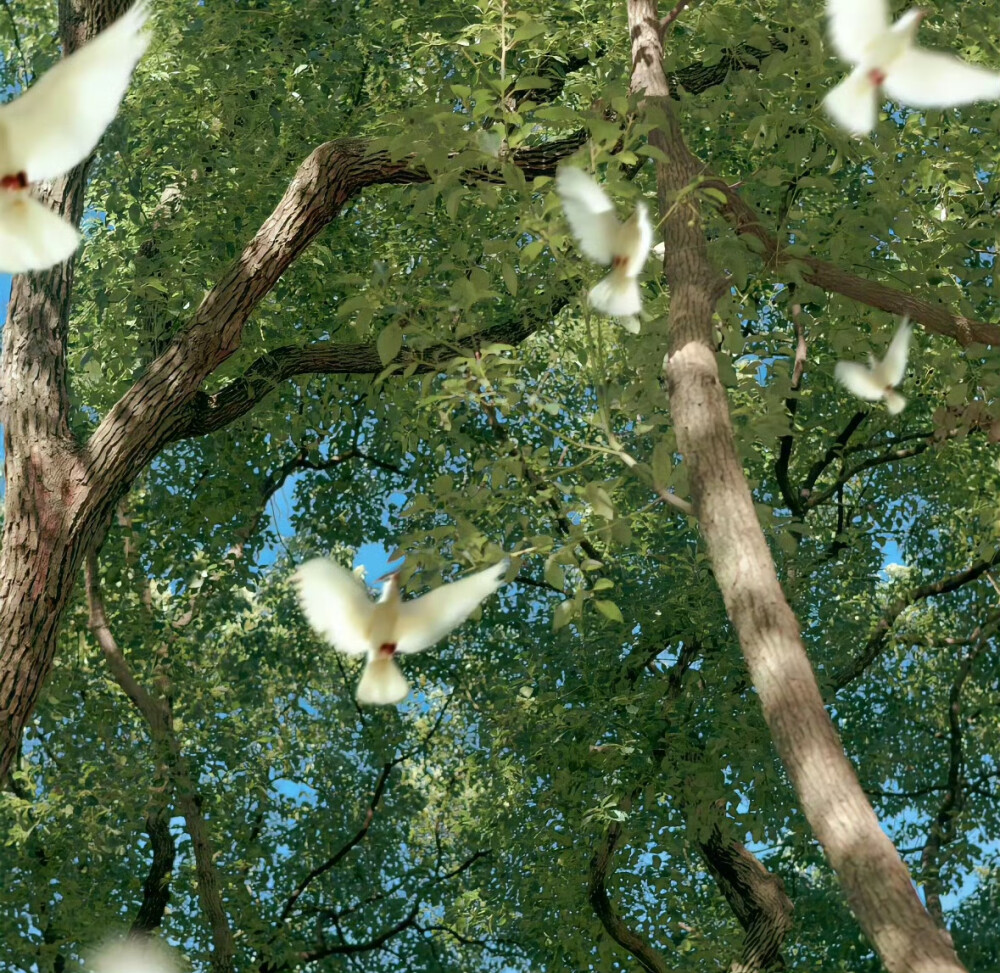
{"points": [[341, 853], [889, 456], [698, 77], [156, 887], [837, 447], [153, 412], [756, 896], [934, 317], [209, 413], [787, 443]]}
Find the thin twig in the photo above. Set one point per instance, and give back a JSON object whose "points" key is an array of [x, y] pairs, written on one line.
{"points": [[665, 22]]}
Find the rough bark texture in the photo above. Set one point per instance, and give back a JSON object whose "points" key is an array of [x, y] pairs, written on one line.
{"points": [[61, 494], [874, 879], [756, 897], [156, 887]]}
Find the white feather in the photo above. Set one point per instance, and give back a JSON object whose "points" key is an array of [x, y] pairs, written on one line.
{"points": [[589, 213], [854, 24], [425, 621], [929, 79], [894, 402], [877, 381], [853, 104], [635, 239], [605, 240], [858, 380], [134, 956], [59, 120], [336, 604], [893, 365], [382, 683], [32, 237], [617, 295]]}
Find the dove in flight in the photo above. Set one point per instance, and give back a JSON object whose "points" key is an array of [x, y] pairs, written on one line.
{"points": [[887, 58], [53, 126], [878, 381], [606, 240], [336, 604], [133, 955]]}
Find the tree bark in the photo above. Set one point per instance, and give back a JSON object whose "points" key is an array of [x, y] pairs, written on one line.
{"points": [[875, 880], [156, 887], [756, 897]]}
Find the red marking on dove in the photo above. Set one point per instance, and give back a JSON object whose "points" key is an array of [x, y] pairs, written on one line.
{"points": [[18, 180]]}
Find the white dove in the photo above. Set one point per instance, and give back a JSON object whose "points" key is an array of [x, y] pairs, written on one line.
{"points": [[53, 126], [878, 381], [337, 605], [133, 955], [606, 240], [886, 57]]}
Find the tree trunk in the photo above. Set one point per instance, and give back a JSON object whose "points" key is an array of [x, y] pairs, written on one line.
{"points": [[874, 878]]}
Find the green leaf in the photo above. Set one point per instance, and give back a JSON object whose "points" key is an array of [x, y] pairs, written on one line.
{"points": [[389, 342], [554, 574], [599, 501], [609, 610], [564, 611]]}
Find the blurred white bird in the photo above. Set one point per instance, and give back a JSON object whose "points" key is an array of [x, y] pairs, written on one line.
{"points": [[133, 955], [880, 378], [336, 604], [53, 126], [606, 240], [886, 57]]}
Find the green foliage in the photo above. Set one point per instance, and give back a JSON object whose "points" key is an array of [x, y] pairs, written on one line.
{"points": [[569, 696]]}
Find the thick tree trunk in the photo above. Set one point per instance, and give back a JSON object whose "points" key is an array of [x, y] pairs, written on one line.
{"points": [[874, 878], [44, 483]]}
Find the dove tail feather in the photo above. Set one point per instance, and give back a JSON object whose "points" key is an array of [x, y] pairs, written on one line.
{"points": [[382, 683], [617, 296], [33, 237], [894, 402], [853, 104]]}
